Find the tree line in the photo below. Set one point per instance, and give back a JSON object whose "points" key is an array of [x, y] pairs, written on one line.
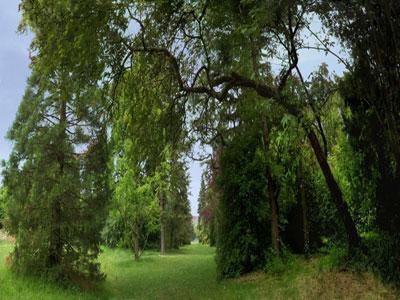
{"points": [[121, 91]]}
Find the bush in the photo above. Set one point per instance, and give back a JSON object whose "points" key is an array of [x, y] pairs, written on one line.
{"points": [[337, 258], [279, 264], [384, 256]]}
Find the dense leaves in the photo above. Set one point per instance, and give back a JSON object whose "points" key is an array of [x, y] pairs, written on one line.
{"points": [[296, 160]]}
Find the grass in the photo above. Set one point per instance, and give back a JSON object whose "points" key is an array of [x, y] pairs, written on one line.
{"points": [[190, 274]]}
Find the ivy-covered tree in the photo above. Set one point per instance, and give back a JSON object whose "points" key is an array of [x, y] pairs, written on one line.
{"points": [[243, 210]]}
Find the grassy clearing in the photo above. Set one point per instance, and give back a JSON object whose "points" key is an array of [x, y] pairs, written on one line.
{"points": [[190, 274]]}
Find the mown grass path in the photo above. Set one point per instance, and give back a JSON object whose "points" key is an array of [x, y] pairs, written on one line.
{"points": [[190, 274]]}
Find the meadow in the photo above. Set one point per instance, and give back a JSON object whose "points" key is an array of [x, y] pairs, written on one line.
{"points": [[190, 273]]}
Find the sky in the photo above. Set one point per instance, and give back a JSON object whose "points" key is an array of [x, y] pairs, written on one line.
{"points": [[14, 71], [14, 61]]}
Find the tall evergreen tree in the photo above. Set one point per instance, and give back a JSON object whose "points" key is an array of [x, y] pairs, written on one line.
{"points": [[56, 179]]}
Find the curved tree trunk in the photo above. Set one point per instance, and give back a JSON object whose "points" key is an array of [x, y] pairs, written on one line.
{"points": [[354, 239]]}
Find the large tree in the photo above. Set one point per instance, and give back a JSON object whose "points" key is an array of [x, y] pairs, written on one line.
{"points": [[56, 179]]}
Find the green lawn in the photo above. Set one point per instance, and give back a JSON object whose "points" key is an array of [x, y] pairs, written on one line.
{"points": [[190, 274]]}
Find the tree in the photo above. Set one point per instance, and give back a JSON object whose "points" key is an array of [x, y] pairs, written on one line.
{"points": [[137, 206], [179, 228], [222, 69], [208, 200], [242, 239], [148, 136], [56, 180], [371, 90]]}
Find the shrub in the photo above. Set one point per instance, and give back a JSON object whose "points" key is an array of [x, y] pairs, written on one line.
{"points": [[384, 256]]}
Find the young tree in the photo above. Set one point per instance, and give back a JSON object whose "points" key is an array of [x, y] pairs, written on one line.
{"points": [[135, 203]]}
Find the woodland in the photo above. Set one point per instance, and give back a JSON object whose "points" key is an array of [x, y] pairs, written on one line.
{"points": [[299, 167]]}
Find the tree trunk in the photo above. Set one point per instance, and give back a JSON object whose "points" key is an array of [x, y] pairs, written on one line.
{"points": [[272, 195], [162, 225], [275, 235], [341, 206]]}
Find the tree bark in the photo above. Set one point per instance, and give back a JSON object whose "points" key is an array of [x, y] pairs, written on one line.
{"points": [[354, 239], [275, 234]]}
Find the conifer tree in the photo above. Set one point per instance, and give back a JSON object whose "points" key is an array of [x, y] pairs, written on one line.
{"points": [[56, 179]]}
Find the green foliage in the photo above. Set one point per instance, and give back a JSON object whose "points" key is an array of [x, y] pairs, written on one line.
{"points": [[151, 183], [3, 203], [136, 206], [200, 71], [242, 237], [371, 91], [279, 264], [208, 203], [337, 258], [56, 181], [384, 256], [358, 188]]}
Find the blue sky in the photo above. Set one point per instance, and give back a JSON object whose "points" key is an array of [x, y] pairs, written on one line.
{"points": [[14, 70], [14, 61]]}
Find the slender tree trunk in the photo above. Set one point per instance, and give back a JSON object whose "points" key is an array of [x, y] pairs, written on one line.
{"points": [[341, 206], [304, 208], [272, 197], [275, 234], [162, 225]]}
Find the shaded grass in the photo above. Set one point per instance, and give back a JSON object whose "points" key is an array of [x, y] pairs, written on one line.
{"points": [[190, 274]]}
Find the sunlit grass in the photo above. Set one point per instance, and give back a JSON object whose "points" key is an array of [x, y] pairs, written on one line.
{"points": [[190, 274]]}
